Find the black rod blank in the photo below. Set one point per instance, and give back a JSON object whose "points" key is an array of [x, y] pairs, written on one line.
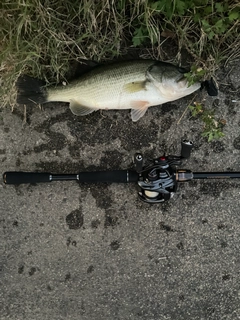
{"points": [[216, 175]]}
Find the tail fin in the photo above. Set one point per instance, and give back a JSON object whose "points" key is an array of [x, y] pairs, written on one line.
{"points": [[30, 90]]}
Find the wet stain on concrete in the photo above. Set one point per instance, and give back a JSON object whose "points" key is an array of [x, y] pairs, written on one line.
{"points": [[48, 123], [166, 206], [181, 297], [210, 311], [221, 226], [216, 103], [162, 148], [32, 271], [57, 141], [95, 223], [198, 144], [190, 195], [132, 136], [18, 162], [153, 259], [223, 244], [70, 241], [217, 146], [102, 195], [95, 129], [180, 246], [236, 143], [111, 219], [226, 277], [167, 108], [15, 223], [20, 113], [111, 160], [74, 151], [90, 269], [21, 269], [18, 190], [75, 219], [115, 245], [60, 167], [216, 188], [166, 124], [67, 277], [165, 227]]}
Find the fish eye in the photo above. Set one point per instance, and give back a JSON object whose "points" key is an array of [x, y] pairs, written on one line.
{"points": [[182, 70]]}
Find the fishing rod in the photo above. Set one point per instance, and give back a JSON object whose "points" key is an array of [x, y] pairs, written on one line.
{"points": [[157, 180]]}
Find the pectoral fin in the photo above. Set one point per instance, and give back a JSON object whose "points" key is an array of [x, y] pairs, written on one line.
{"points": [[78, 109], [134, 86], [139, 108]]}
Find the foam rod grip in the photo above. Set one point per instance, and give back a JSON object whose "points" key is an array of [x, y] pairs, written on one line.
{"points": [[117, 176], [15, 177]]}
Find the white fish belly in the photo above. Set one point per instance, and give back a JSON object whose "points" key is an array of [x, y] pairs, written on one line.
{"points": [[118, 98]]}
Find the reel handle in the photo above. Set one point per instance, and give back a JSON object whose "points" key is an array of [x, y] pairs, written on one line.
{"points": [[187, 146]]}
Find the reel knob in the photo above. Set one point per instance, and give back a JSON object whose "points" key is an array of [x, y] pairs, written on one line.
{"points": [[187, 146], [138, 160]]}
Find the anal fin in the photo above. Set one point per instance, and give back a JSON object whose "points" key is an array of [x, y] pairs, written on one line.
{"points": [[139, 108], [80, 110]]}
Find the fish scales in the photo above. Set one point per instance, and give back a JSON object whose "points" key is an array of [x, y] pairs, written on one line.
{"points": [[103, 84]]}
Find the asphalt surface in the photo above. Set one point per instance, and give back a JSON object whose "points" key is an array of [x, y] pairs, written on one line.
{"points": [[71, 251]]}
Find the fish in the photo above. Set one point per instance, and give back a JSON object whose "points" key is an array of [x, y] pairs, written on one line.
{"points": [[132, 84]]}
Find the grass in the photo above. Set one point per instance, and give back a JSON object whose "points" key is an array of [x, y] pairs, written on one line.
{"points": [[46, 38], [213, 127]]}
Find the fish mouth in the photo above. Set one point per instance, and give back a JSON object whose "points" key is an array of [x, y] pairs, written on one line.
{"points": [[182, 82], [181, 77]]}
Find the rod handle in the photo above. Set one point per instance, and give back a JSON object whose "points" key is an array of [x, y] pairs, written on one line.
{"points": [[117, 176], [18, 177], [113, 176]]}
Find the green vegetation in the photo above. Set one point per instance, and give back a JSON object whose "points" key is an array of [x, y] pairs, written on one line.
{"points": [[195, 74], [212, 128], [44, 38]]}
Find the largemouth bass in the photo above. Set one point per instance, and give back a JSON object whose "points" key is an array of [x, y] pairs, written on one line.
{"points": [[135, 85]]}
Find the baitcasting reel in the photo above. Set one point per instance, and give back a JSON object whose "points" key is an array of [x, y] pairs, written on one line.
{"points": [[158, 180]]}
